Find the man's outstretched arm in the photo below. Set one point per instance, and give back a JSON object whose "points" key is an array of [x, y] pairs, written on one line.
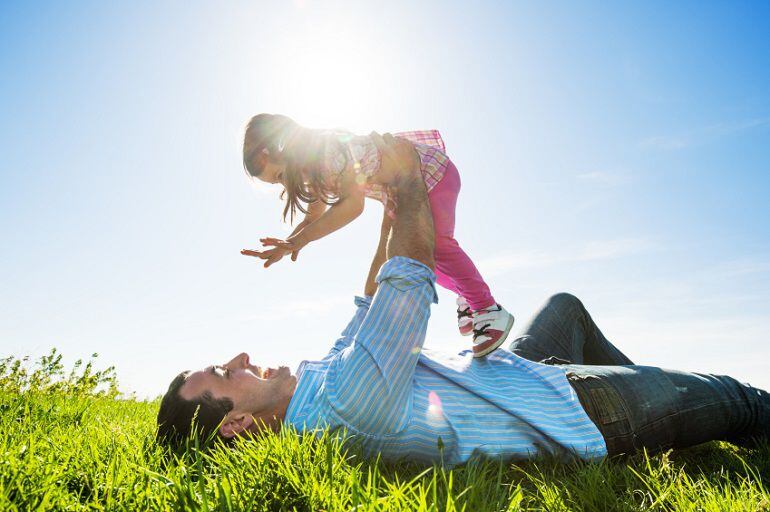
{"points": [[412, 233], [379, 256], [348, 334], [369, 383], [370, 288]]}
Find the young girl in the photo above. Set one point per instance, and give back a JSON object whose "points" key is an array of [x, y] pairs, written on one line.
{"points": [[336, 169]]}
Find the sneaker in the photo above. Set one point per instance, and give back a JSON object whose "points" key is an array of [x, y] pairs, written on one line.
{"points": [[490, 328], [464, 317]]}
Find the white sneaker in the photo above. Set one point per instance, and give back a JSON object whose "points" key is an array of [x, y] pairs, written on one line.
{"points": [[464, 317], [490, 328]]}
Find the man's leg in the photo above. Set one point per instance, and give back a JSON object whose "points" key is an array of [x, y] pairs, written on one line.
{"points": [[638, 407], [564, 332]]}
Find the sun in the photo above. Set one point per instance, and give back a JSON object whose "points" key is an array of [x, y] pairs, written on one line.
{"points": [[330, 76]]}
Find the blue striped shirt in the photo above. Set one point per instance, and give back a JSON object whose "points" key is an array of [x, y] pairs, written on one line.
{"points": [[396, 399]]}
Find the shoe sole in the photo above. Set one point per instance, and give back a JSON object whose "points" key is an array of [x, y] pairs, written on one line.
{"points": [[499, 342]]}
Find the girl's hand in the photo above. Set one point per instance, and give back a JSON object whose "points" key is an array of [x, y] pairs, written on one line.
{"points": [[270, 255], [293, 244]]}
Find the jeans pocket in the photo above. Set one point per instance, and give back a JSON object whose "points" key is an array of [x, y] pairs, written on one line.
{"points": [[607, 404], [607, 410]]}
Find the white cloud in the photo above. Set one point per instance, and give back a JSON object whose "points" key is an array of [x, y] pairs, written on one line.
{"points": [[667, 142], [606, 178], [590, 251], [609, 249], [728, 128], [743, 267], [303, 308], [703, 135]]}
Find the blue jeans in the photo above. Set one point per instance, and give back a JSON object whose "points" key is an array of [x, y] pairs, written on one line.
{"points": [[634, 406]]}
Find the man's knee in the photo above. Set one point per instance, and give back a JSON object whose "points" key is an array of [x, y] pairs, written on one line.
{"points": [[564, 300]]}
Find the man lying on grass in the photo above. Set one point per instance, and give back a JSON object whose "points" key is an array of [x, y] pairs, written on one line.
{"points": [[584, 399]]}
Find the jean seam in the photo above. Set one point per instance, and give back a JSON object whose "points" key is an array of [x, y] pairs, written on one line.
{"points": [[667, 416]]}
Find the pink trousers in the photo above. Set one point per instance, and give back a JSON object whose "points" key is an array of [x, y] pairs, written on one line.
{"points": [[454, 269]]}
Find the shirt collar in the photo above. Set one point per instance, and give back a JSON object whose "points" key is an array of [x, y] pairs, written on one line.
{"points": [[303, 391]]}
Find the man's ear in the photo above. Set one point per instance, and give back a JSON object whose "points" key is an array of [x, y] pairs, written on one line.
{"points": [[235, 424]]}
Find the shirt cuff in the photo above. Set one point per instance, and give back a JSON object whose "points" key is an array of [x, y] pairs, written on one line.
{"points": [[405, 273], [364, 301]]}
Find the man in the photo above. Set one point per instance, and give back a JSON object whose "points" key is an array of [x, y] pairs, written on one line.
{"points": [[400, 401]]}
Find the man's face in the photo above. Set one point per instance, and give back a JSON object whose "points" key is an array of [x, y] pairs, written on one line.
{"points": [[259, 395]]}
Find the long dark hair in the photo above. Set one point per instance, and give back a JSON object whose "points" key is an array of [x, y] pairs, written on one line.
{"points": [[281, 139]]}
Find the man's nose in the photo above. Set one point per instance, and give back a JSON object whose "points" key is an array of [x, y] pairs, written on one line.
{"points": [[239, 361]]}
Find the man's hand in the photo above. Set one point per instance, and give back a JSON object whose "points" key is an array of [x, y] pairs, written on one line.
{"points": [[397, 159]]}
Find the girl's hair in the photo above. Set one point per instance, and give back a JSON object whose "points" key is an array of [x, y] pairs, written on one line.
{"points": [[281, 139]]}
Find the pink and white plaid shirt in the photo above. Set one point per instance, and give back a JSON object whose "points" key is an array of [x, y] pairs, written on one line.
{"points": [[366, 160]]}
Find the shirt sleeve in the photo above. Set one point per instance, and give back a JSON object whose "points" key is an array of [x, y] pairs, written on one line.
{"points": [[369, 383], [346, 338]]}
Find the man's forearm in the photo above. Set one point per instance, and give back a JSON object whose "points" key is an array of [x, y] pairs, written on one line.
{"points": [[379, 257], [412, 235]]}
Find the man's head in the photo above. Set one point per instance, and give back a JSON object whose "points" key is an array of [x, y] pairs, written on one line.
{"points": [[230, 399]]}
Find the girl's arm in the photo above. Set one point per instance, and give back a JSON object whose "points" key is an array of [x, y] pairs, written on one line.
{"points": [[343, 212], [349, 206], [314, 211]]}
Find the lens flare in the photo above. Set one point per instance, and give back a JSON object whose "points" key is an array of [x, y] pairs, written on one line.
{"points": [[435, 411]]}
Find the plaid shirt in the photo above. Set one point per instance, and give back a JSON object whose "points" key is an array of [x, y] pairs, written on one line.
{"points": [[366, 160]]}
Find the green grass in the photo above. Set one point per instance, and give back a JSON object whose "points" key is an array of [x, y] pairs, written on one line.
{"points": [[69, 442]]}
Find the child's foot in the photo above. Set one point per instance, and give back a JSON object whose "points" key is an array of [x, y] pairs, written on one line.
{"points": [[490, 328], [464, 317]]}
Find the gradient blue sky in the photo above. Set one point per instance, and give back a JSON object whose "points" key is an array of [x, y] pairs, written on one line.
{"points": [[618, 152]]}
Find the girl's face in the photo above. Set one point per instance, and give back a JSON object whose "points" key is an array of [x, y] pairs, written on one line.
{"points": [[271, 172]]}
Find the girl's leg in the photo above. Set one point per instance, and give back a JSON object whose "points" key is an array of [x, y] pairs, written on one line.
{"points": [[454, 269]]}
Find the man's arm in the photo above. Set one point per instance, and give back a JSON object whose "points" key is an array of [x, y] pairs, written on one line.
{"points": [[379, 256], [370, 287], [347, 336], [369, 384]]}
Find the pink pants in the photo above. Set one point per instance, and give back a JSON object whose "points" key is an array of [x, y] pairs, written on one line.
{"points": [[454, 269]]}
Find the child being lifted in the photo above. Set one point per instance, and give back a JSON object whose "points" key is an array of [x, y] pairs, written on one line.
{"points": [[327, 174]]}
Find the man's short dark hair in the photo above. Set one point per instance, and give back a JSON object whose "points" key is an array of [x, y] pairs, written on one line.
{"points": [[179, 418]]}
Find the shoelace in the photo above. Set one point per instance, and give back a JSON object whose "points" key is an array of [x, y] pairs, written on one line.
{"points": [[464, 312], [480, 332]]}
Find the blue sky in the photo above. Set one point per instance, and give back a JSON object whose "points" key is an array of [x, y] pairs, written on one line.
{"points": [[618, 152]]}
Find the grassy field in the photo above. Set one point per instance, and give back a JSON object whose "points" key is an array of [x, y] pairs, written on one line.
{"points": [[69, 442]]}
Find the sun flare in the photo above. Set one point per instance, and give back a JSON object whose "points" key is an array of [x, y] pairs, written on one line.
{"points": [[330, 77]]}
